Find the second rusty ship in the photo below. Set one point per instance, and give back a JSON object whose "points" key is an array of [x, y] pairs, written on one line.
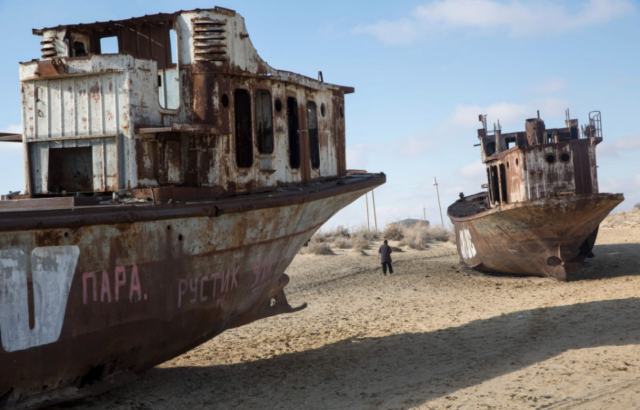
{"points": [[542, 208]]}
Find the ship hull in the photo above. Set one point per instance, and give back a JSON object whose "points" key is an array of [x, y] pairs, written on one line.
{"points": [[549, 237], [86, 306]]}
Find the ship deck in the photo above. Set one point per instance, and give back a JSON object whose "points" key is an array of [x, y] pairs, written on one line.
{"points": [[468, 206], [59, 212]]}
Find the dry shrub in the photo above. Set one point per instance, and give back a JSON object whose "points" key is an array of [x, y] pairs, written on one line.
{"points": [[419, 237], [637, 206], [341, 231], [437, 234], [342, 243], [317, 248], [396, 249], [359, 244], [393, 232]]}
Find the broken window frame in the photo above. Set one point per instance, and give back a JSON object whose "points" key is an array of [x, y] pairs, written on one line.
{"points": [[314, 143], [243, 136], [264, 121]]}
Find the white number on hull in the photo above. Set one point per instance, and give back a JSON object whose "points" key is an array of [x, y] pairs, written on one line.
{"points": [[467, 248], [52, 270]]}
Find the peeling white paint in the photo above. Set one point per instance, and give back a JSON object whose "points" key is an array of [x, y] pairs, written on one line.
{"points": [[467, 248], [52, 270]]}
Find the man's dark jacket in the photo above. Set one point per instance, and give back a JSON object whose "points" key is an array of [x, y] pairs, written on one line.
{"points": [[385, 253]]}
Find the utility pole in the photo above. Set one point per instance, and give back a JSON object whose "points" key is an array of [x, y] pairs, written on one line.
{"points": [[424, 213], [375, 219], [439, 207], [366, 198]]}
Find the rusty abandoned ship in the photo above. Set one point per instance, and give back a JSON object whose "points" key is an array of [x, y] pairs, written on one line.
{"points": [[165, 197], [541, 211]]}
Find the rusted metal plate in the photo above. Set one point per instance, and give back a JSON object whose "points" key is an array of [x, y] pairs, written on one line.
{"points": [[4, 137]]}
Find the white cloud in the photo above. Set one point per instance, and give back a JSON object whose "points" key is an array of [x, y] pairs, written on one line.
{"points": [[473, 169], [466, 116], [516, 17], [357, 156], [618, 146], [12, 129]]}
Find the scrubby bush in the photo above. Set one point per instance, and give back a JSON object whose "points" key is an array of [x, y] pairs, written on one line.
{"points": [[419, 237], [342, 243], [393, 232], [317, 248], [359, 244], [637, 206]]}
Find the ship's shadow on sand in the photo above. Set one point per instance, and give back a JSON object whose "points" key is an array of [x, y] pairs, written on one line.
{"points": [[611, 261], [397, 371]]}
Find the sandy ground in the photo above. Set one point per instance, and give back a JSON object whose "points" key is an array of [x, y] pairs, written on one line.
{"points": [[430, 336]]}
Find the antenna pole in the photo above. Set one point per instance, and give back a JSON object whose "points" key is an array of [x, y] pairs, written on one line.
{"points": [[375, 219], [424, 213], [366, 198], [438, 194]]}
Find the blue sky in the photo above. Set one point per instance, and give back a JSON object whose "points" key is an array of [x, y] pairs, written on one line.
{"points": [[422, 70]]}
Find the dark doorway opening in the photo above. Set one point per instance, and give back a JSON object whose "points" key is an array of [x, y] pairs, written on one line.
{"points": [[495, 184], [70, 169], [244, 142], [294, 132], [503, 185]]}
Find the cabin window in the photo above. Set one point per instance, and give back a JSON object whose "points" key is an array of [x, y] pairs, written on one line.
{"points": [[70, 170], [503, 185], [294, 132], [323, 110], [314, 144], [79, 49], [244, 143], [565, 157], [109, 45], [264, 122], [278, 104], [168, 80], [224, 100], [551, 158]]}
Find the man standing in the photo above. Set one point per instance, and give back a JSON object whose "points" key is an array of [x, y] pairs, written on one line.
{"points": [[385, 256]]}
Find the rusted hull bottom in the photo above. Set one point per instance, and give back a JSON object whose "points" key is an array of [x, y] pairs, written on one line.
{"points": [[85, 309], [549, 238]]}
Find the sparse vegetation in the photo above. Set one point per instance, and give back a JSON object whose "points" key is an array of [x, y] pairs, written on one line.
{"points": [[360, 244], [393, 232], [317, 248], [415, 236], [637, 206]]}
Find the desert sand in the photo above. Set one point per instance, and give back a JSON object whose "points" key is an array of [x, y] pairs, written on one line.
{"points": [[430, 336]]}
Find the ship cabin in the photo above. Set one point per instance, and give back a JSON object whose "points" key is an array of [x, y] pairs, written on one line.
{"points": [[177, 103], [540, 162]]}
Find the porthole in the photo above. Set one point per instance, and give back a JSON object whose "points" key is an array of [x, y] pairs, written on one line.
{"points": [[551, 158], [516, 162], [565, 157], [507, 164], [323, 110], [278, 104], [168, 227], [341, 112], [180, 237], [224, 100]]}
